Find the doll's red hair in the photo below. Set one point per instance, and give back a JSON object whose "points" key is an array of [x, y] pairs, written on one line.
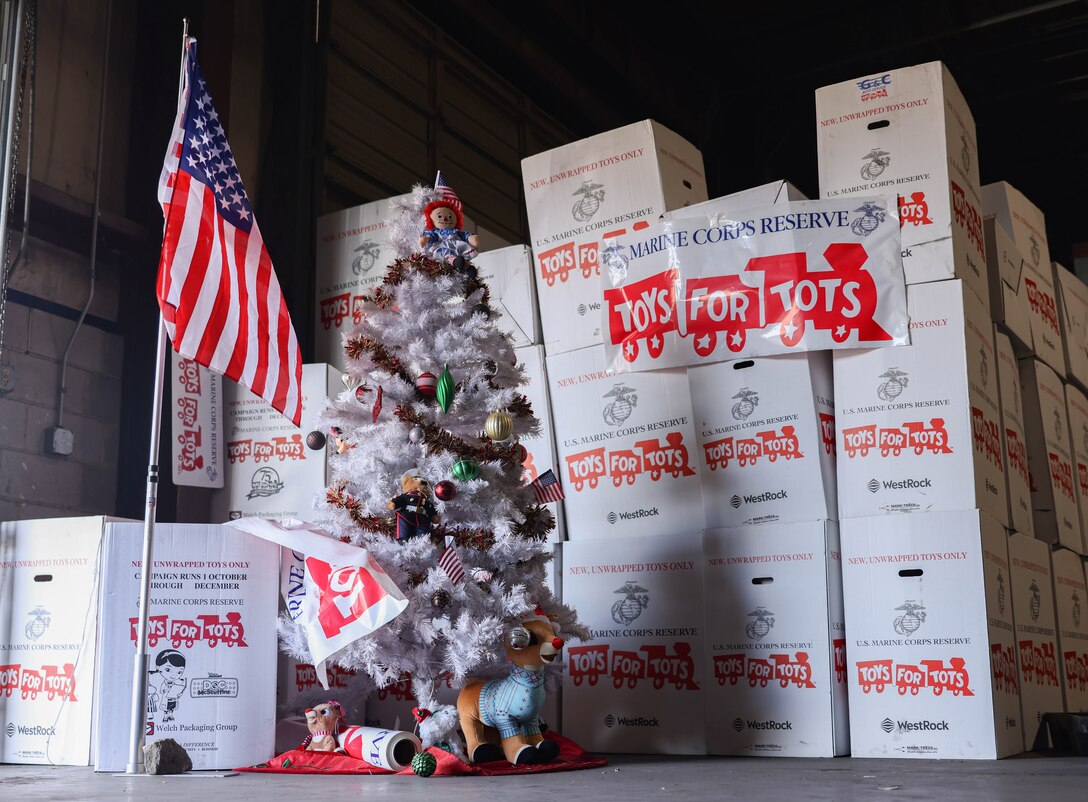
{"points": [[438, 204]]}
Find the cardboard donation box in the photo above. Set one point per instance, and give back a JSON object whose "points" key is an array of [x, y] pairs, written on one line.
{"points": [[270, 472], [1069, 600], [919, 425], [930, 645], [627, 449], [775, 641], [508, 273], [1008, 292], [353, 254], [1076, 404], [909, 132], [49, 575], [1014, 442], [1073, 316], [212, 644], [638, 685], [1036, 637], [723, 207], [601, 186], [766, 439], [542, 447], [1050, 456]]}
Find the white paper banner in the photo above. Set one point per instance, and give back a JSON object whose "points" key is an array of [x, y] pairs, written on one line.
{"points": [[341, 594], [196, 412], [791, 277]]}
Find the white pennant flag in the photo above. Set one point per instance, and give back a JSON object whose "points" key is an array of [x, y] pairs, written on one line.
{"points": [[335, 590]]}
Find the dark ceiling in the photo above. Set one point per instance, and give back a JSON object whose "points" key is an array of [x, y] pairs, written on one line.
{"points": [[738, 79]]}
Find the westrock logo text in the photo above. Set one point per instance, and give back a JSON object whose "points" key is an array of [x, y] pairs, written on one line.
{"points": [[35, 730], [630, 721], [913, 726]]}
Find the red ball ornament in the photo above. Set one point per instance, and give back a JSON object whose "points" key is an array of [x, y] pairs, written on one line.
{"points": [[427, 384], [521, 453], [445, 490]]}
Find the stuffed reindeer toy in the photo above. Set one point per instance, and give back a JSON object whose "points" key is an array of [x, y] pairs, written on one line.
{"points": [[500, 717], [324, 722]]}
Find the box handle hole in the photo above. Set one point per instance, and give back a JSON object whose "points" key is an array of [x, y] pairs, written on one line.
{"points": [[742, 364], [762, 580], [687, 184], [909, 572], [43, 578], [878, 124]]}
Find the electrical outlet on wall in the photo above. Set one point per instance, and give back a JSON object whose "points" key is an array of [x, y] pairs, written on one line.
{"points": [[60, 441]]}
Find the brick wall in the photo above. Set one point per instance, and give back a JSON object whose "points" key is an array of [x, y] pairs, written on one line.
{"points": [[33, 482]]}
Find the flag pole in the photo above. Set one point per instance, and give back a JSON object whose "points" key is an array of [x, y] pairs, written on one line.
{"points": [[140, 661]]}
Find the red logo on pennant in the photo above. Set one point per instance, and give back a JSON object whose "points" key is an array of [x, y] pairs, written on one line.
{"points": [[344, 594]]}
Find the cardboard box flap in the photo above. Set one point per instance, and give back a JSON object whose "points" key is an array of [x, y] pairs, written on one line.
{"points": [[721, 208]]}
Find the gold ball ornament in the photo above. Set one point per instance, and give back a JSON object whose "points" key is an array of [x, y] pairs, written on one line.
{"points": [[498, 426]]}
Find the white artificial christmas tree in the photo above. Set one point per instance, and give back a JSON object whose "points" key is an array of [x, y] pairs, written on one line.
{"points": [[432, 316]]}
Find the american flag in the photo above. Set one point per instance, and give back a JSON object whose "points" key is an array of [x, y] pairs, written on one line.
{"points": [[547, 488], [449, 562], [445, 192], [217, 289]]}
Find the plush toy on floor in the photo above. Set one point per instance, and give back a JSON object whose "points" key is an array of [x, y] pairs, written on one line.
{"points": [[324, 723], [501, 717]]}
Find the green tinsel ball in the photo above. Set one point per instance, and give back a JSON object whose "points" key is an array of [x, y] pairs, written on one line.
{"points": [[424, 764]]}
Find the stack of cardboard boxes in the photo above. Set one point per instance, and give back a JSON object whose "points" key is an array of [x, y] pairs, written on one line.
{"points": [[923, 494], [1045, 547]]}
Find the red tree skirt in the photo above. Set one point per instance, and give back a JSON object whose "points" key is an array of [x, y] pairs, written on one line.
{"points": [[298, 761]]}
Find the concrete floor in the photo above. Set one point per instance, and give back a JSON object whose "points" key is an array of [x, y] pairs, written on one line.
{"points": [[627, 778]]}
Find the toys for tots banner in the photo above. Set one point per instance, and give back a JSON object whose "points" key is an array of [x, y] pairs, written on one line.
{"points": [[791, 277], [627, 448], [197, 405], [211, 639], [638, 685]]}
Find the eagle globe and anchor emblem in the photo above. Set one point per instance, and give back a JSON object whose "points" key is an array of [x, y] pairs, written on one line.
{"points": [[635, 599], [895, 382], [37, 626], [592, 196], [1001, 592], [1076, 610], [1036, 251], [1036, 604], [876, 161], [872, 215], [746, 405], [983, 367], [366, 256], [914, 615], [623, 403], [616, 261], [761, 625]]}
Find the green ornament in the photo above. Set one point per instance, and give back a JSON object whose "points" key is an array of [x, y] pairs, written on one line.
{"points": [[424, 764], [446, 389], [286, 763], [465, 470]]}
